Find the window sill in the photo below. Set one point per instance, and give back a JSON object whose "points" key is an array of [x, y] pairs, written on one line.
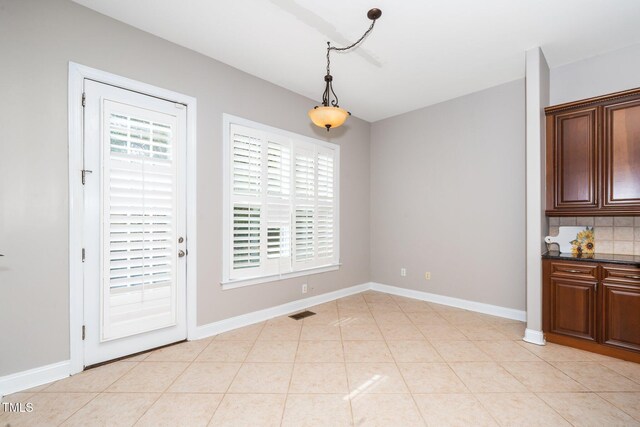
{"points": [[239, 283]]}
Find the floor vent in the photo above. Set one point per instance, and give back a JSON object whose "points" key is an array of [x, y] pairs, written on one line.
{"points": [[302, 315]]}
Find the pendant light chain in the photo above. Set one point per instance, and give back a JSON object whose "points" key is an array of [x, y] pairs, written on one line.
{"points": [[326, 96], [353, 44], [330, 115]]}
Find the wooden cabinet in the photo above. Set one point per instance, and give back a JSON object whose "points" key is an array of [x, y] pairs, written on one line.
{"points": [[622, 155], [571, 299], [593, 306], [621, 307], [573, 307], [593, 156], [575, 178]]}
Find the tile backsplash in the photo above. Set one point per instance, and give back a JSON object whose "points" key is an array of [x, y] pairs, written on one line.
{"points": [[618, 235]]}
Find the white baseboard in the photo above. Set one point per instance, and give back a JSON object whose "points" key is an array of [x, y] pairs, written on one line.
{"points": [[534, 337], [34, 377], [479, 307], [225, 325], [46, 374]]}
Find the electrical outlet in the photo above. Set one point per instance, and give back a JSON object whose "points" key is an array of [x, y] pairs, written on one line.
{"points": [[403, 272], [427, 275], [304, 288]]}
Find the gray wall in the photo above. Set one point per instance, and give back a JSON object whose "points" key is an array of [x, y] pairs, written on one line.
{"points": [[37, 40], [610, 72], [448, 196]]}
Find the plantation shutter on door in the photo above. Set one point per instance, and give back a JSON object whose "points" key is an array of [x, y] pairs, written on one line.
{"points": [[282, 204], [139, 235]]}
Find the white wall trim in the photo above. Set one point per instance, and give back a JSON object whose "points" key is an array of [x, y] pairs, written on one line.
{"points": [[494, 310], [534, 337], [247, 319], [279, 310], [233, 284], [77, 74], [537, 97], [45, 374], [33, 377]]}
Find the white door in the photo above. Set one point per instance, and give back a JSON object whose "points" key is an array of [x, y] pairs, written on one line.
{"points": [[134, 222]]}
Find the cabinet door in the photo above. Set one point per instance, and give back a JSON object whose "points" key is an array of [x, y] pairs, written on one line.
{"points": [[575, 160], [621, 315], [573, 307], [622, 155]]}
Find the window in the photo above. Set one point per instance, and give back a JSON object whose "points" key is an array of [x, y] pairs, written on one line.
{"points": [[281, 203]]}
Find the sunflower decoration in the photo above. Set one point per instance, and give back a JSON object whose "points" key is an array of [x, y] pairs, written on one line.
{"points": [[584, 243]]}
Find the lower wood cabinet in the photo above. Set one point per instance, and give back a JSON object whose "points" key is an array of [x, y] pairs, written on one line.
{"points": [[621, 315], [592, 306], [573, 307]]}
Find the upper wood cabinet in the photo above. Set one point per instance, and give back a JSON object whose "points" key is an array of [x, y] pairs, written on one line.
{"points": [[622, 154], [575, 150], [593, 156]]}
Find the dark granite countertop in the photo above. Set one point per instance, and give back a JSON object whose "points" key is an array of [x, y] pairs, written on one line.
{"points": [[609, 258]]}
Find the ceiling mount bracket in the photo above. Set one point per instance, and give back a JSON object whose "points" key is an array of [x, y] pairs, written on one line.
{"points": [[374, 14]]}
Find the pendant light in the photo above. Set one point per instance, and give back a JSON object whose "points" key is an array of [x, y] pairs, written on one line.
{"points": [[329, 114]]}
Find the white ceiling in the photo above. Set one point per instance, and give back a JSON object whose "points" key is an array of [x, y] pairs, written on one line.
{"points": [[421, 52]]}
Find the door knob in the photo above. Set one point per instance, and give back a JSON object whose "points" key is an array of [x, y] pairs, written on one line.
{"points": [[181, 253]]}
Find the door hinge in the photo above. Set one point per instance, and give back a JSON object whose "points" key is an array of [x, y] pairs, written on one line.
{"points": [[83, 332], [84, 175], [83, 254], [84, 99]]}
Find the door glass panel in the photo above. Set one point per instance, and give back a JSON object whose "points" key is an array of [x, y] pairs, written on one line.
{"points": [[139, 210]]}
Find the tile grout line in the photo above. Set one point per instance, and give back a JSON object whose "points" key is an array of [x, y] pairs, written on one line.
{"points": [[168, 387], [377, 322], [344, 357], [173, 382], [395, 362], [586, 391], [536, 394], [226, 392], [293, 367], [619, 373], [94, 397], [456, 374], [614, 404]]}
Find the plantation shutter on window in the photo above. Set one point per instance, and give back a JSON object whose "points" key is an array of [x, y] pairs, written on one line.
{"points": [[278, 200], [325, 224], [246, 202], [305, 183], [282, 204]]}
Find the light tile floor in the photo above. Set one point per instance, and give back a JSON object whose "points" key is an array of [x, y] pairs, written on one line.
{"points": [[366, 360]]}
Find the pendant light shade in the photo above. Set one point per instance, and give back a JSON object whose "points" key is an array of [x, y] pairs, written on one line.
{"points": [[328, 117], [329, 114]]}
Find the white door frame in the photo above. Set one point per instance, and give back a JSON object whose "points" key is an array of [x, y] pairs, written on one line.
{"points": [[77, 74]]}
